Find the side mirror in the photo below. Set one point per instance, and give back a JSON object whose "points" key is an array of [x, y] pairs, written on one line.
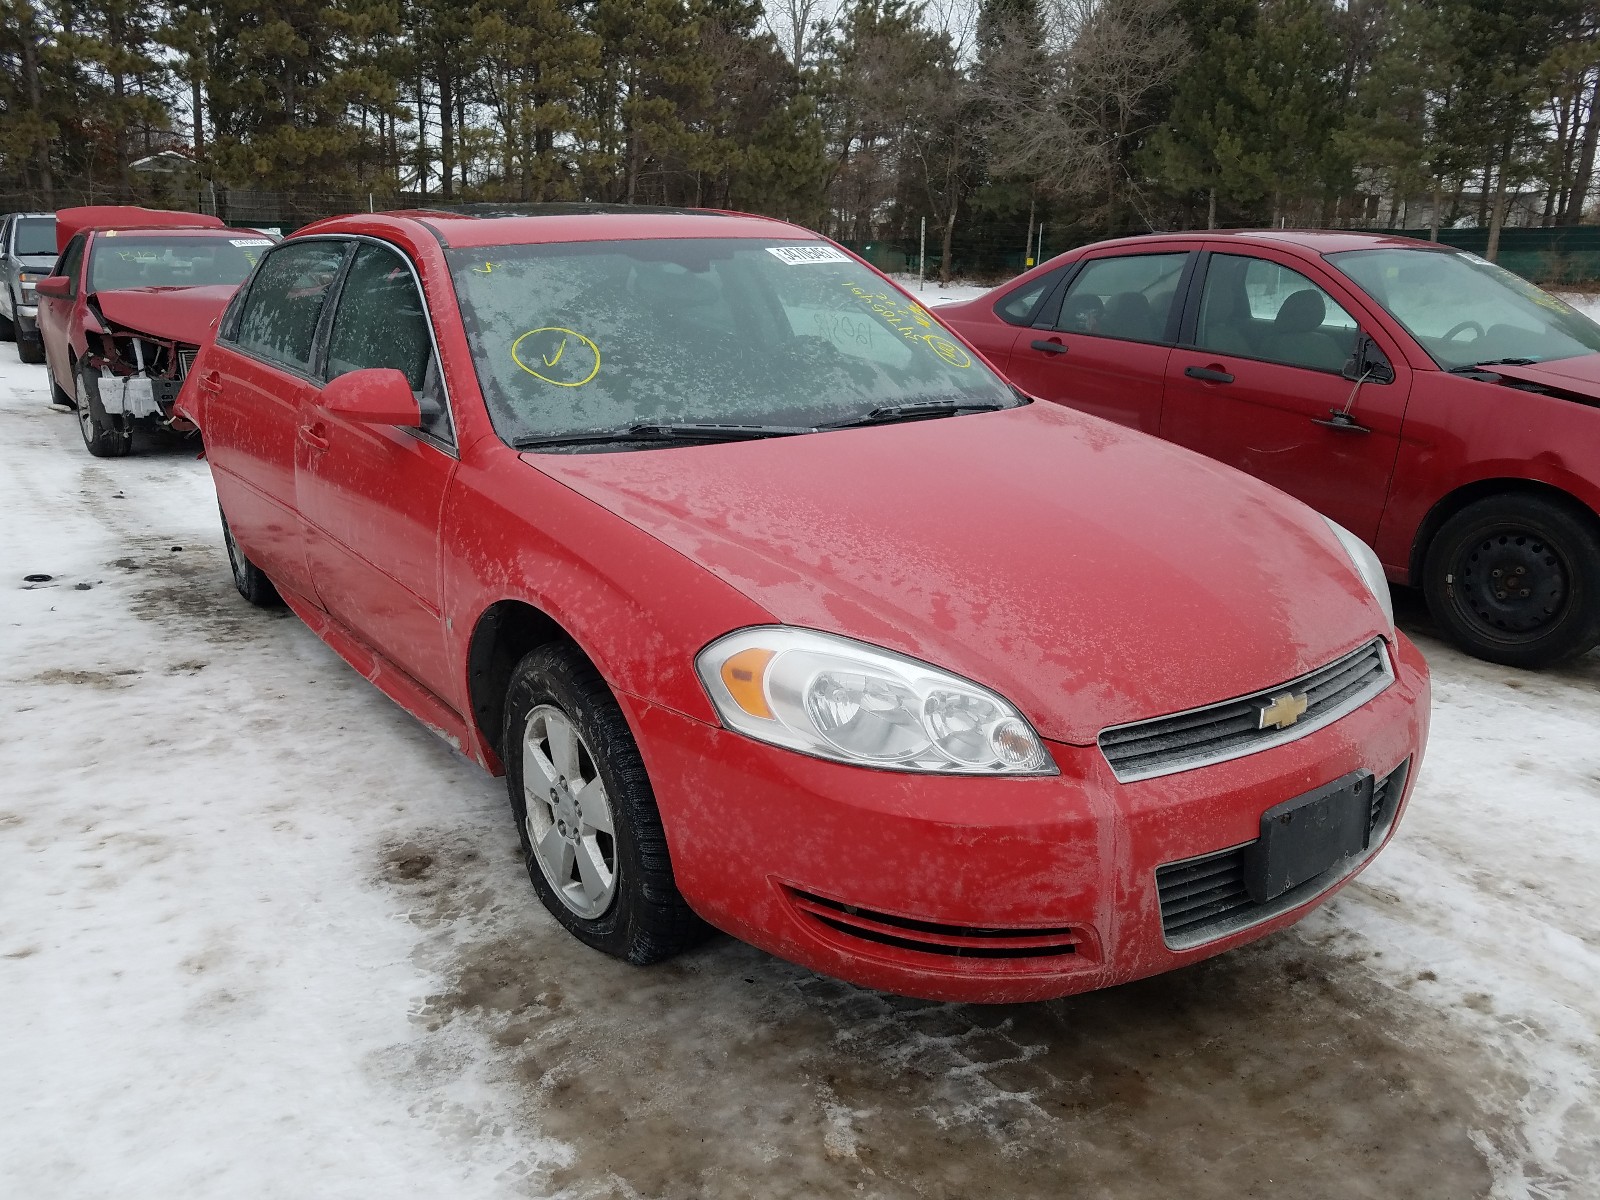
{"points": [[1367, 362], [373, 396], [57, 287]]}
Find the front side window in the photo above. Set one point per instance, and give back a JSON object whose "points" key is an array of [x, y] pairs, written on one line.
{"points": [[69, 262], [34, 235], [1128, 297], [124, 261], [279, 320], [1256, 308], [1464, 310], [579, 337], [381, 322]]}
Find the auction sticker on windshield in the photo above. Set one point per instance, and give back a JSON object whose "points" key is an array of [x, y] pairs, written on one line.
{"points": [[799, 256]]}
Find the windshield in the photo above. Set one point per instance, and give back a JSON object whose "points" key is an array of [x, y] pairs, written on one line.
{"points": [[1464, 310], [153, 261], [580, 337], [35, 235]]}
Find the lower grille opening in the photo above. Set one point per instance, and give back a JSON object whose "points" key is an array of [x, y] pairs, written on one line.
{"points": [[1204, 898], [931, 937]]}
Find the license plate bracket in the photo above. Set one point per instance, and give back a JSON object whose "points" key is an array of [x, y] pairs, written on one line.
{"points": [[1303, 837]]}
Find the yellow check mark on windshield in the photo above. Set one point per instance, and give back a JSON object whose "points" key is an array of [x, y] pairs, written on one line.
{"points": [[560, 350]]}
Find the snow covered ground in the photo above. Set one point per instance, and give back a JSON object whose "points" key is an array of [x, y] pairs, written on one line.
{"points": [[262, 936]]}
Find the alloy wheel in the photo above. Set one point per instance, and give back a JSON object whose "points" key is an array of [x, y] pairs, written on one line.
{"points": [[569, 820]]}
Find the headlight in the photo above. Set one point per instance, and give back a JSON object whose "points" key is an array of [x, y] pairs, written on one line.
{"points": [[1368, 567], [841, 699]]}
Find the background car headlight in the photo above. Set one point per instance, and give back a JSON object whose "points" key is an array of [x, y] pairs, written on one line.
{"points": [[1368, 567], [836, 698]]}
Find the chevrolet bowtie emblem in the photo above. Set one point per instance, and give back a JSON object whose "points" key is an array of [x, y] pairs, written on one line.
{"points": [[1283, 711]]}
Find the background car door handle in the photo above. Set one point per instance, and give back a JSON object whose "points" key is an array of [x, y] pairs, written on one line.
{"points": [[1342, 421], [1048, 347], [1209, 374], [313, 436]]}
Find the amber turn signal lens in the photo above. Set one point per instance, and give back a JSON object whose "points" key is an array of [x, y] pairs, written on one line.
{"points": [[743, 674]]}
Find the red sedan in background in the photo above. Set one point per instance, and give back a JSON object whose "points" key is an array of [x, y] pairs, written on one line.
{"points": [[782, 612], [1440, 408], [133, 294]]}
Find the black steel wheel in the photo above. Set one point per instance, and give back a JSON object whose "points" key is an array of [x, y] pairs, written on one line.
{"points": [[1515, 579]]}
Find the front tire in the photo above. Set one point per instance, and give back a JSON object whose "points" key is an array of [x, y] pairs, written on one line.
{"points": [[31, 352], [103, 437], [1515, 580], [251, 581], [591, 835], [8, 330]]}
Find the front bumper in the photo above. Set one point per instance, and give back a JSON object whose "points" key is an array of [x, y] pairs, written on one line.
{"points": [[987, 890]]}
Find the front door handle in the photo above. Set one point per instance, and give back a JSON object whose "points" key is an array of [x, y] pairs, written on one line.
{"points": [[1048, 347], [1209, 374], [1340, 420], [211, 383], [314, 436]]}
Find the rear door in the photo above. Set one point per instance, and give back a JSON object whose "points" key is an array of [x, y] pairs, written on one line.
{"points": [[371, 495], [1258, 384], [256, 384], [1102, 347]]}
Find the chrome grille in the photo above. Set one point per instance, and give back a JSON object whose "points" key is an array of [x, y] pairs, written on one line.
{"points": [[1232, 729], [1204, 898]]}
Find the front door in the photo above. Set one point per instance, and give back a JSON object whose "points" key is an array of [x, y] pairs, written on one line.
{"points": [[1258, 384], [1104, 348], [372, 495], [256, 384], [55, 316]]}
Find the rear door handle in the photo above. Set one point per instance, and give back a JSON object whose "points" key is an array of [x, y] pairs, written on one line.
{"points": [[1208, 374], [1048, 347], [314, 436]]}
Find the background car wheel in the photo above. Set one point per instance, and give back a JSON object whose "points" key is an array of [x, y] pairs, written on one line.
{"points": [[30, 352], [101, 434], [8, 329], [591, 834], [1516, 580], [251, 581]]}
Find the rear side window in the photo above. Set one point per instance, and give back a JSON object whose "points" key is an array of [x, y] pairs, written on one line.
{"points": [[1018, 308], [279, 321], [1128, 297]]}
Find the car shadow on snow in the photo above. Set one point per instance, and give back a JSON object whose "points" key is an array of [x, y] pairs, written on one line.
{"points": [[1288, 1064]]}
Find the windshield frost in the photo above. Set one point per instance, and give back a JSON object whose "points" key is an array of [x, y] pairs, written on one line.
{"points": [[1464, 310], [579, 337]]}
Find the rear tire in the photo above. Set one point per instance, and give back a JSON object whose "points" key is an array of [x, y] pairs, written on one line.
{"points": [[250, 579], [103, 436], [572, 767], [58, 395], [30, 352], [1515, 579]]}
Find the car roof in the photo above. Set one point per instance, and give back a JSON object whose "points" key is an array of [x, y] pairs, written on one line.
{"points": [[510, 225], [1315, 241]]}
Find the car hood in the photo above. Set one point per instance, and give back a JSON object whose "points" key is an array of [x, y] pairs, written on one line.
{"points": [[1578, 376], [1090, 574], [178, 314]]}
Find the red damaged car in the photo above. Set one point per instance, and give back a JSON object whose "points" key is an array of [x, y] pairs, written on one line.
{"points": [[782, 613], [132, 296], [1437, 406]]}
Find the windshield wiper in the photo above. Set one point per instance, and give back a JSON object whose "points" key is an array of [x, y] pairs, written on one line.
{"points": [[919, 410], [648, 432], [1493, 362]]}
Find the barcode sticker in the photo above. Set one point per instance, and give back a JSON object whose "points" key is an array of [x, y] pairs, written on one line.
{"points": [[249, 241], [798, 256]]}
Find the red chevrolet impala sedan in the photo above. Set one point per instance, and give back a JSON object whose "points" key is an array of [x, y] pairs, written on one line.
{"points": [[1438, 407], [783, 614]]}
